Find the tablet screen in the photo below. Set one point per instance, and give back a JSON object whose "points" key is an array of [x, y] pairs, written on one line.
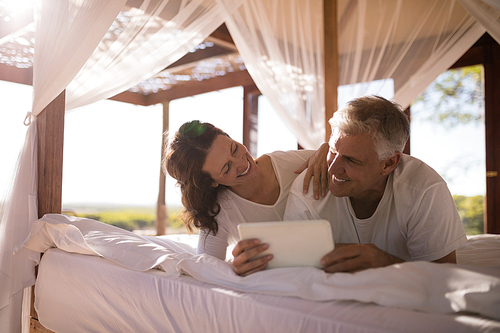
{"points": [[292, 243]]}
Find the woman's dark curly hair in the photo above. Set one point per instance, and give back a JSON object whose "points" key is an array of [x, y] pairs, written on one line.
{"points": [[184, 157]]}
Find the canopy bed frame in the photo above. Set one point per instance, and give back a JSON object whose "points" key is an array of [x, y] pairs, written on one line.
{"points": [[484, 51], [50, 125]]}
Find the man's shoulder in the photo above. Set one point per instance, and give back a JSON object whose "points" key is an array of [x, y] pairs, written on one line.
{"points": [[413, 180], [412, 171]]}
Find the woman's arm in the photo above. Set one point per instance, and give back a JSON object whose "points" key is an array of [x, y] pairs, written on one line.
{"points": [[213, 245]]}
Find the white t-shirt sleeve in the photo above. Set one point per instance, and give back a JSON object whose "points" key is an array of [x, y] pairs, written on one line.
{"points": [[427, 213], [213, 245], [435, 229]]}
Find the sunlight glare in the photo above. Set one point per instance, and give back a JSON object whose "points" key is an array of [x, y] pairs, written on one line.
{"points": [[14, 8]]}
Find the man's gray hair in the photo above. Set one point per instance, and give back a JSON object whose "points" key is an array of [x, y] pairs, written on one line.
{"points": [[384, 119]]}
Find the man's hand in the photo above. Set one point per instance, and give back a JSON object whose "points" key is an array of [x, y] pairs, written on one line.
{"points": [[317, 167], [450, 258], [356, 257], [243, 253]]}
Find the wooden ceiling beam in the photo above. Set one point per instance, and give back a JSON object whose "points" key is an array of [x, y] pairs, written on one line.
{"points": [[223, 45], [222, 37], [230, 80], [192, 59], [131, 98], [16, 75]]}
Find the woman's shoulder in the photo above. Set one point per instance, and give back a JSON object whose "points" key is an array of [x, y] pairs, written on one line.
{"points": [[290, 155]]}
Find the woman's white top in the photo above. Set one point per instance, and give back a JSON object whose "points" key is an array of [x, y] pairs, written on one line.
{"points": [[236, 210]]}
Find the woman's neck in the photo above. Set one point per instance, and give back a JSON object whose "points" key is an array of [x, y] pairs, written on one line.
{"points": [[265, 188]]}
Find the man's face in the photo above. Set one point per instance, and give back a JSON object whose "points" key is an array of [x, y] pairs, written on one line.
{"points": [[354, 166]]}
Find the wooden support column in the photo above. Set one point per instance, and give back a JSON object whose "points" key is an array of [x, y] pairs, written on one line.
{"points": [[250, 118], [491, 65], [331, 59], [50, 124], [161, 205], [50, 141]]}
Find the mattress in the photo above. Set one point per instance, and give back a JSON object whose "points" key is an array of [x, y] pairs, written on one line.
{"points": [[85, 293]]}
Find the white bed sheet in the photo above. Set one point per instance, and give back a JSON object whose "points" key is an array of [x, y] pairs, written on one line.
{"points": [[83, 293]]}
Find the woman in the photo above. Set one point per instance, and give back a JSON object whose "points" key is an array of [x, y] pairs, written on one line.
{"points": [[222, 185]]}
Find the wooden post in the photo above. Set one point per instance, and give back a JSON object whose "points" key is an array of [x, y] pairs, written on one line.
{"points": [[250, 118], [50, 126], [491, 65], [331, 59], [161, 205], [486, 51]]}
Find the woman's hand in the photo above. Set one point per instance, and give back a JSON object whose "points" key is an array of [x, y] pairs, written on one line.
{"points": [[244, 252], [317, 167]]}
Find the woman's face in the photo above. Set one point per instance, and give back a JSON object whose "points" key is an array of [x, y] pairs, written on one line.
{"points": [[229, 162]]}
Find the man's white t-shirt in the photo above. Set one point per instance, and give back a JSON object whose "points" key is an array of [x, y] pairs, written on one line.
{"points": [[416, 218], [236, 210]]}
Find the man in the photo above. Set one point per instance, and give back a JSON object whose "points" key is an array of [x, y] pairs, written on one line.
{"points": [[385, 207]]}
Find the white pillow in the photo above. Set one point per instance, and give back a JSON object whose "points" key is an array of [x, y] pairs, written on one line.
{"points": [[480, 250], [91, 237]]}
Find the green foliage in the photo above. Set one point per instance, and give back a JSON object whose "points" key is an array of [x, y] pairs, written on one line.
{"points": [[133, 218], [471, 211], [455, 97], [129, 219]]}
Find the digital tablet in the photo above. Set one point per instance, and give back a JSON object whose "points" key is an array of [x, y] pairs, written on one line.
{"points": [[292, 243]]}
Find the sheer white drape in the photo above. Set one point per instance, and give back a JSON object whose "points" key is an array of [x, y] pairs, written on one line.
{"points": [[487, 13], [281, 44], [410, 42], [66, 35], [142, 41], [406, 42]]}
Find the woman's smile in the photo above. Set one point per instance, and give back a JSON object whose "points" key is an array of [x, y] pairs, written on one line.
{"points": [[246, 170]]}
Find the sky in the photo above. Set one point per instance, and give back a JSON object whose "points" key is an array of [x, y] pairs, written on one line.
{"points": [[112, 149]]}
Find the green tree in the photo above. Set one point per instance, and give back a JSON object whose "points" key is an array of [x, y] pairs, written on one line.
{"points": [[471, 211], [455, 97]]}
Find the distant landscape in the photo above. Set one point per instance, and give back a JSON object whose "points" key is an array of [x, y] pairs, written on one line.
{"points": [[141, 219]]}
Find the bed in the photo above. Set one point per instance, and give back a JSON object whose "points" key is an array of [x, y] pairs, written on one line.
{"points": [[97, 278]]}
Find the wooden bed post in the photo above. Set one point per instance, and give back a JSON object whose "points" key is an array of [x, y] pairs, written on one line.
{"points": [[161, 206], [331, 61], [50, 126], [491, 64]]}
